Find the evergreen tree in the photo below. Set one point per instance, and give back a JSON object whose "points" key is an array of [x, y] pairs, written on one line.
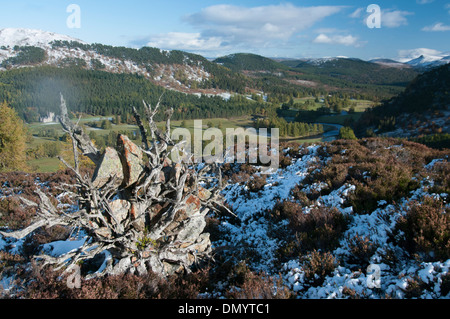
{"points": [[347, 133]]}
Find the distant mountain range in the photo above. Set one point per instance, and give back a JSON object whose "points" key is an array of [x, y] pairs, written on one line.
{"points": [[191, 73]]}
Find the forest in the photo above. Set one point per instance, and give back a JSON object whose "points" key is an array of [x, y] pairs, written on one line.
{"points": [[26, 55], [338, 75], [416, 110], [148, 57], [34, 92], [289, 128]]}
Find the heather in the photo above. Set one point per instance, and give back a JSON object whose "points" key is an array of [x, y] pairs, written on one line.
{"points": [[310, 229]]}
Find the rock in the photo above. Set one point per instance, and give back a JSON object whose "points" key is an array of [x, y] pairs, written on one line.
{"points": [[171, 268], [146, 254], [193, 205], [109, 166], [137, 216], [156, 209], [141, 269], [203, 244], [203, 193], [192, 229], [122, 266], [167, 162], [104, 232], [132, 160], [120, 209]]}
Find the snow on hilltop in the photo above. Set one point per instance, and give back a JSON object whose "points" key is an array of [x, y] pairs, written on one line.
{"points": [[162, 74], [30, 37], [429, 59]]}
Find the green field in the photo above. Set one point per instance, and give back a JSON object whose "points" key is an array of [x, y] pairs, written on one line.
{"points": [[359, 105], [45, 165], [53, 164]]}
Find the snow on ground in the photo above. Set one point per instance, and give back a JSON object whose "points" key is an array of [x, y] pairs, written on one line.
{"points": [[251, 237], [254, 228], [11, 37], [62, 247], [376, 227], [253, 234]]}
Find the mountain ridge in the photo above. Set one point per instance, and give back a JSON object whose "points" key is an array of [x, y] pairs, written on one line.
{"points": [[190, 71], [35, 37], [194, 74], [31, 37]]}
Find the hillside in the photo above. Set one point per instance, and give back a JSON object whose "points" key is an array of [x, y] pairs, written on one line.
{"points": [[422, 109], [311, 229], [28, 37], [424, 63], [357, 71], [249, 62], [240, 73], [176, 70], [34, 92], [330, 74]]}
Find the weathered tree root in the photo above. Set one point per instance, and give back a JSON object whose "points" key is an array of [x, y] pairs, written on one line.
{"points": [[139, 207]]}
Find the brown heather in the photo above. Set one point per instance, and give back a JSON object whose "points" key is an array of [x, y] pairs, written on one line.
{"points": [[426, 230]]}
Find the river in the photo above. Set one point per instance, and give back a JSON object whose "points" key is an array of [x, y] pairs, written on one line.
{"points": [[332, 134]]}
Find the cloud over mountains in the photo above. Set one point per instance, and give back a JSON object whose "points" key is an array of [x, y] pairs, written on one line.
{"points": [[222, 26]]}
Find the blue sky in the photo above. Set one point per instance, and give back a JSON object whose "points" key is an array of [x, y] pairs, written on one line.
{"points": [[302, 28]]}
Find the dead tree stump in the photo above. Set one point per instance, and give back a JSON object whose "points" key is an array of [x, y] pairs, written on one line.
{"points": [[141, 209]]}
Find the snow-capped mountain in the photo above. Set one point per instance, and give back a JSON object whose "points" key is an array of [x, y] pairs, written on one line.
{"points": [[167, 74], [320, 61], [29, 37], [429, 61]]}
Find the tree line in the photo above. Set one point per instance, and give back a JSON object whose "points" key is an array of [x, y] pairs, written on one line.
{"points": [[25, 55], [33, 92], [293, 129]]}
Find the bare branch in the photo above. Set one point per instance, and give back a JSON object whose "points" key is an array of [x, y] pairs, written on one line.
{"points": [[162, 204], [25, 232], [141, 128], [77, 134]]}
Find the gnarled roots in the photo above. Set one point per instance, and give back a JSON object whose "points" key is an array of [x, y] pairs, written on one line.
{"points": [[139, 208]]}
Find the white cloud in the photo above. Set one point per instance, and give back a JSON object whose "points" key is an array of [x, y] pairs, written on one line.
{"points": [[348, 40], [424, 1], [394, 18], [256, 25], [185, 41], [447, 7], [408, 55], [221, 28], [438, 26]]}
